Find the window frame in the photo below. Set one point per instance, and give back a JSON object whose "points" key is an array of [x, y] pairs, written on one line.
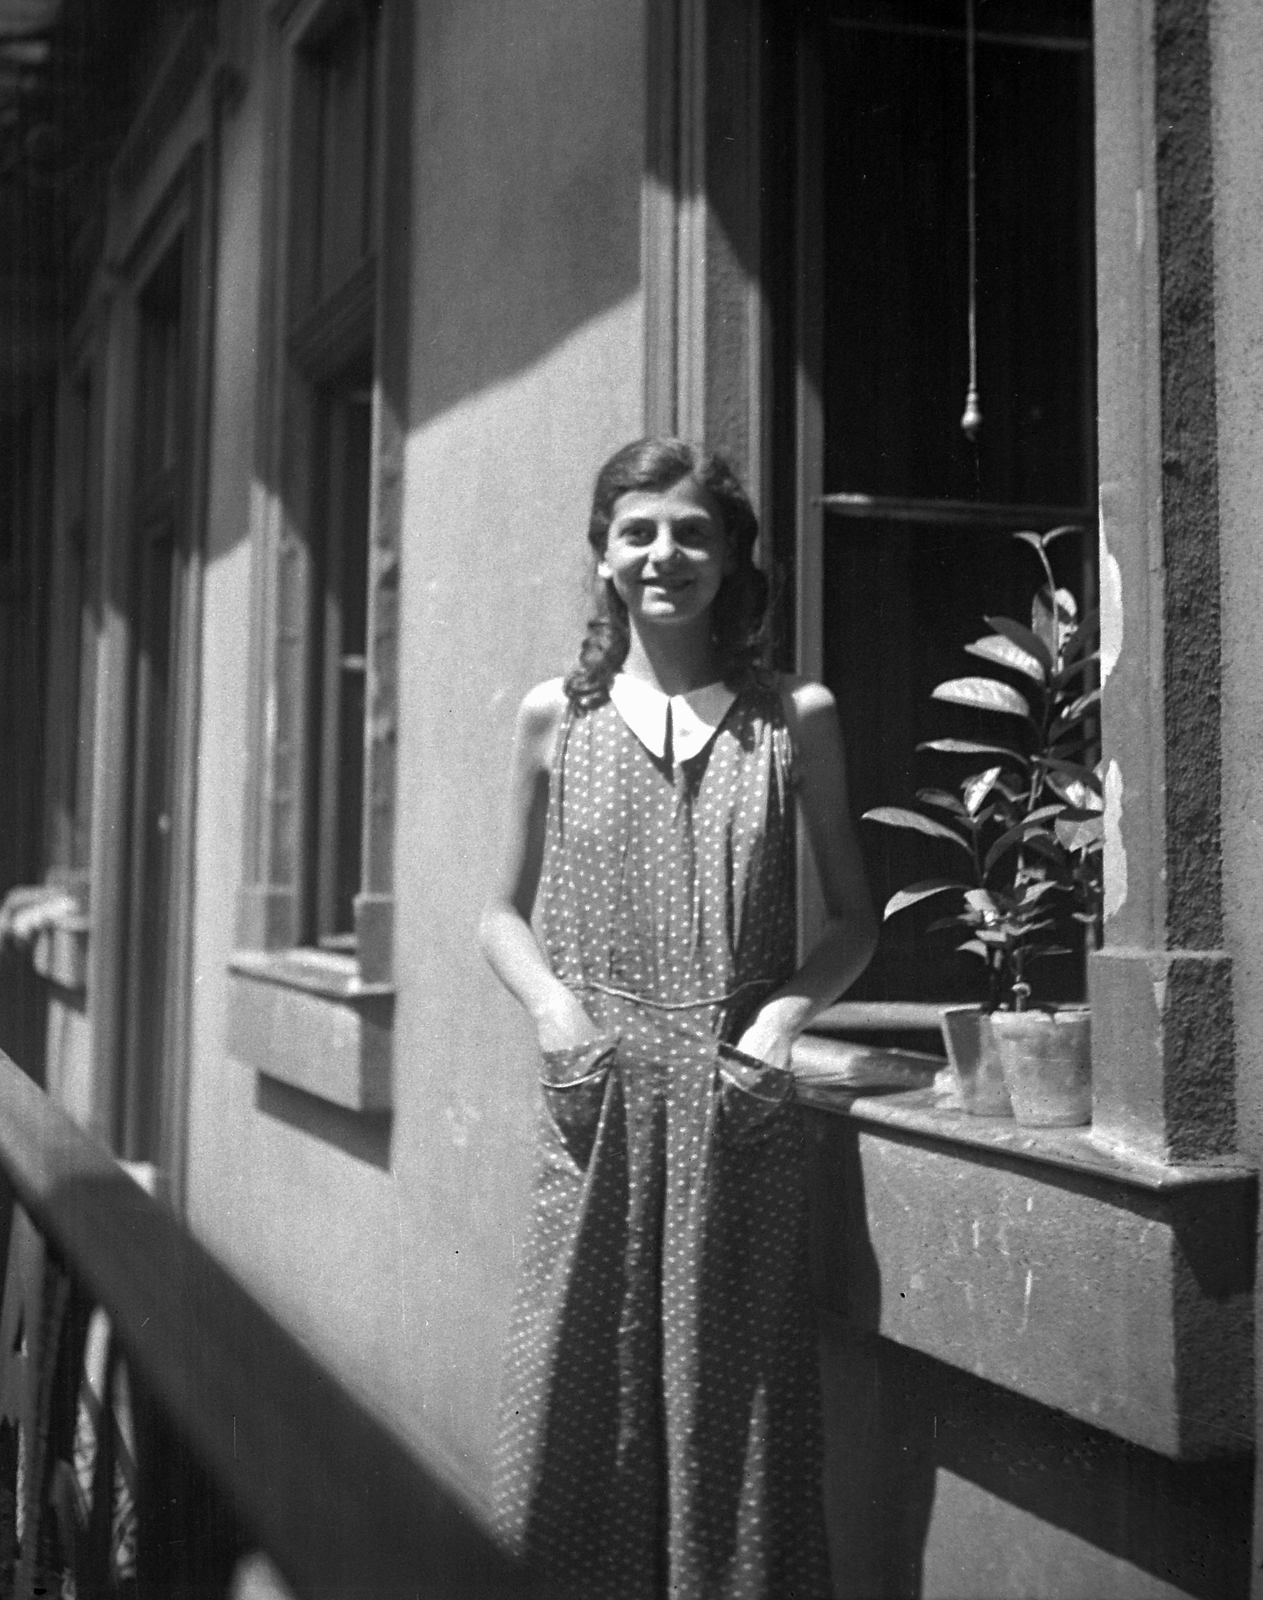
{"points": [[307, 344], [320, 1020], [824, 510], [1160, 987]]}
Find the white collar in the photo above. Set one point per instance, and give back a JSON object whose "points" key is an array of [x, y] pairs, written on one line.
{"points": [[695, 717]]}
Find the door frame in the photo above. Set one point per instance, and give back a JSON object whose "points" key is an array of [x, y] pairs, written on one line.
{"points": [[183, 208]]}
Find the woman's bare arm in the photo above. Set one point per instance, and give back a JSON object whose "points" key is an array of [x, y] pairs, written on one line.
{"points": [[849, 936], [505, 933]]}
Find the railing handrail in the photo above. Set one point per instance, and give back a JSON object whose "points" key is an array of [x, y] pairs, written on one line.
{"points": [[338, 1503]]}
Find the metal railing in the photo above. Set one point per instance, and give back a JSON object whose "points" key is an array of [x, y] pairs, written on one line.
{"points": [[159, 1426]]}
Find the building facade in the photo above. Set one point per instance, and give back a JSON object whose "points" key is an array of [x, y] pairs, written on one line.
{"points": [[342, 306]]}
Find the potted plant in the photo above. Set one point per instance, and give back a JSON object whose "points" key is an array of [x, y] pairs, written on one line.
{"points": [[1025, 832]]}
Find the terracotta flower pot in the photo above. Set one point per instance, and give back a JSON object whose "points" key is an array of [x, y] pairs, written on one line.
{"points": [[1046, 1058], [971, 1048]]}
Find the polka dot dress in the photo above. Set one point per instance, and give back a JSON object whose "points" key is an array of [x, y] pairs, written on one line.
{"points": [[661, 1427]]}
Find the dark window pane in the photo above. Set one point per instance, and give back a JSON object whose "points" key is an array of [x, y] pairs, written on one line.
{"points": [[343, 571], [896, 217], [903, 595], [346, 158], [158, 397]]}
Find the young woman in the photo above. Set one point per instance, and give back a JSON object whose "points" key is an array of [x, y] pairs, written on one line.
{"points": [[661, 1422]]}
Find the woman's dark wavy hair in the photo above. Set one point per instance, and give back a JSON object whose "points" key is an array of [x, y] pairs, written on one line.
{"points": [[739, 614]]}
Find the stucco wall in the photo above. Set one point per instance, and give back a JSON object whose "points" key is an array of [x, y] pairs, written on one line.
{"points": [[389, 1244], [1237, 63]]}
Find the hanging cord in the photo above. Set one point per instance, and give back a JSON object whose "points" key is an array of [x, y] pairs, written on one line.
{"points": [[971, 421]]}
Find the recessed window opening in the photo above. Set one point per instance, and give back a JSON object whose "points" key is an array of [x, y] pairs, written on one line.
{"points": [[332, 355], [916, 539], [340, 547]]}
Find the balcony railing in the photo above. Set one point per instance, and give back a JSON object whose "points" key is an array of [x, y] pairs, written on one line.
{"points": [[159, 1428]]}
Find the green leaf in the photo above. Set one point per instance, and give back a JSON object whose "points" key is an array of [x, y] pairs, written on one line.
{"points": [[1043, 845], [1073, 813], [1072, 718], [898, 817], [1054, 615], [1068, 674], [1084, 635], [1074, 771], [971, 747], [943, 800], [983, 694], [1024, 638], [917, 892], [995, 647], [1017, 835], [975, 947], [1084, 703], [976, 789], [1085, 835], [1059, 531]]}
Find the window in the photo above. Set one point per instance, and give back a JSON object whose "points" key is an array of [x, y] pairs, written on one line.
{"points": [[331, 352], [316, 914], [315, 828], [340, 548], [914, 539]]}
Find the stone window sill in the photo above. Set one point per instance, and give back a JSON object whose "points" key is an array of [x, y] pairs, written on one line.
{"points": [[1080, 1274], [306, 1018], [896, 1089]]}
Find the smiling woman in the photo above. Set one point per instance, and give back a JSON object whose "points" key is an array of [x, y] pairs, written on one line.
{"points": [[665, 553], [661, 1421]]}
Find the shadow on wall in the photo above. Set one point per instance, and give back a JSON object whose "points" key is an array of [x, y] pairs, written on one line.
{"points": [[897, 1421], [929, 1467], [527, 168], [363, 1135]]}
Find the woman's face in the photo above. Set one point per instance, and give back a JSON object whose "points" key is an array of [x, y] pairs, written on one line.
{"points": [[666, 553]]}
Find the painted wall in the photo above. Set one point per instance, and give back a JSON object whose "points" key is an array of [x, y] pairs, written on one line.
{"points": [[941, 1486], [389, 1244]]}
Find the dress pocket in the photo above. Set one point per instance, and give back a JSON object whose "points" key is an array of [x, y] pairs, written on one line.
{"points": [[752, 1094], [573, 1084]]}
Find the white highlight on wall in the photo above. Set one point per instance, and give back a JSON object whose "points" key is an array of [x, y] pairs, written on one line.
{"points": [[1115, 854], [1111, 603]]}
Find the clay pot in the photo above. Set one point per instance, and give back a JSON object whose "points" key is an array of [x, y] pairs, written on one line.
{"points": [[971, 1048], [1046, 1058]]}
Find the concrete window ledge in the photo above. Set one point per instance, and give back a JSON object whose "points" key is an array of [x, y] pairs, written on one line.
{"points": [[1108, 1286], [306, 1018]]}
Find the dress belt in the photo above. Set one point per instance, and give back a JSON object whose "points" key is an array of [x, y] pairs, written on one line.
{"points": [[676, 1005]]}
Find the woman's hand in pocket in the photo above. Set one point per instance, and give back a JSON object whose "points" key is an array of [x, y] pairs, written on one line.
{"points": [[767, 1040], [563, 1024]]}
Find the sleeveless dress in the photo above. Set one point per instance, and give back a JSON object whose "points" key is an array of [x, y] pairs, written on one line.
{"points": [[661, 1415]]}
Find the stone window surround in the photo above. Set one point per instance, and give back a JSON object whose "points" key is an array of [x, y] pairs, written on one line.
{"points": [[277, 990], [1162, 1145]]}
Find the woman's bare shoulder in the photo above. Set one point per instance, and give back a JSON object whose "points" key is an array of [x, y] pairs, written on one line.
{"points": [[539, 717]]}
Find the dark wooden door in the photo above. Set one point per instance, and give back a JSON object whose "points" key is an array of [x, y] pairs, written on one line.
{"points": [[158, 567]]}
